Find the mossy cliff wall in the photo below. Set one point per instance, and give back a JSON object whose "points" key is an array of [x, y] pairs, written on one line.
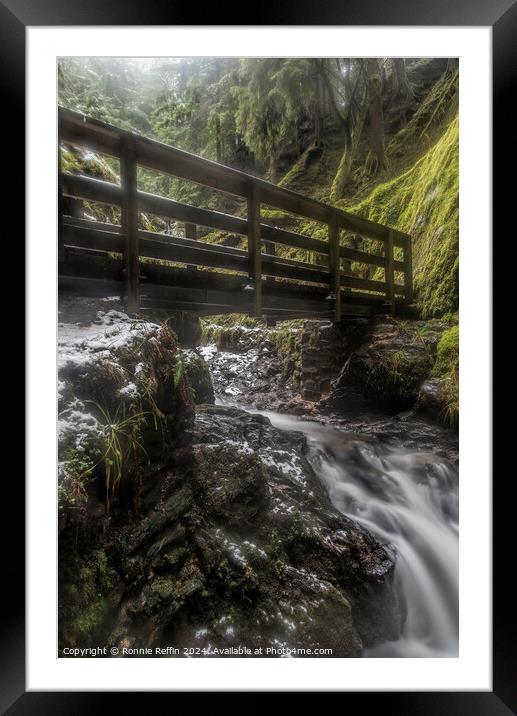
{"points": [[423, 201]]}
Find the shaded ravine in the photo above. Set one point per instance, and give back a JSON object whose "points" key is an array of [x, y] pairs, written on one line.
{"points": [[408, 498]]}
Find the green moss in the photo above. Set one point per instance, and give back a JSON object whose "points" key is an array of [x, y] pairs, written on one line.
{"points": [[83, 162], [423, 202], [396, 378], [447, 355], [226, 330], [231, 320], [446, 368], [316, 168], [164, 587], [85, 583], [199, 376]]}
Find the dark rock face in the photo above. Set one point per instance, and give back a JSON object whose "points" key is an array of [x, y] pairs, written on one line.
{"points": [[243, 548], [383, 362], [430, 399], [289, 370], [124, 405], [322, 347], [390, 362], [218, 533]]}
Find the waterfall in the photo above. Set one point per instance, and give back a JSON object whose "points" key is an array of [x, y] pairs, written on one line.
{"points": [[409, 500]]}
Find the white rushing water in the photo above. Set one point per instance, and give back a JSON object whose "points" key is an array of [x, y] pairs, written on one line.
{"points": [[409, 500]]}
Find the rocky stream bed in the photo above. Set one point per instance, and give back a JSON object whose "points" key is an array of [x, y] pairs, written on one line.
{"points": [[275, 505]]}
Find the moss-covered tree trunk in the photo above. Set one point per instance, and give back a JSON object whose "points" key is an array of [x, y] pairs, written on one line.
{"points": [[401, 86], [218, 143], [377, 159], [345, 165], [318, 110]]}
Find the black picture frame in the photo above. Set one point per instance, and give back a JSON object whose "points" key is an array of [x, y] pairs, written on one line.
{"points": [[15, 16]]}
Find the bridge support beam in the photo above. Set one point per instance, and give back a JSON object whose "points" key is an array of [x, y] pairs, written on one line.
{"points": [[254, 248], [130, 223]]}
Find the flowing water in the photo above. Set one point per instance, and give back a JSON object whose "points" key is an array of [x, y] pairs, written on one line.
{"points": [[409, 500]]}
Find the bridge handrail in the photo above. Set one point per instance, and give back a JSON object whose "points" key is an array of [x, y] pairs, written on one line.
{"points": [[132, 150]]}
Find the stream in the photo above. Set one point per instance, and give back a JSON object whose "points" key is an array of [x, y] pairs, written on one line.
{"points": [[404, 491]]}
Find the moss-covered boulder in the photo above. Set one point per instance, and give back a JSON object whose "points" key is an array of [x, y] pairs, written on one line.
{"points": [[391, 362], [242, 547], [124, 403], [235, 543], [439, 396], [199, 377], [233, 332]]}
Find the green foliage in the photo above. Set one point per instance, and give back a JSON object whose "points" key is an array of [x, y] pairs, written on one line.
{"points": [[122, 447], [233, 320], [446, 368], [396, 377], [83, 605], [110, 89], [398, 360], [450, 398], [226, 330], [179, 371], [72, 494], [274, 96], [259, 114], [447, 355], [423, 201]]}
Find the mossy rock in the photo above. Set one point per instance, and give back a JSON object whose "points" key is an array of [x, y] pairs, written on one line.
{"points": [[89, 587], [231, 484], [392, 361], [447, 354], [199, 376]]}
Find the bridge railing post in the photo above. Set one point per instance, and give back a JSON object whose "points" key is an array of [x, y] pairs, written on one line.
{"points": [[128, 180], [390, 272], [334, 264], [270, 249], [254, 248], [191, 233], [408, 270]]}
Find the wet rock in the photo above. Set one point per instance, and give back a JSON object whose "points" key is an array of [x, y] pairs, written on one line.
{"points": [[261, 558], [239, 545], [199, 377], [271, 368], [390, 363], [234, 540], [430, 398]]}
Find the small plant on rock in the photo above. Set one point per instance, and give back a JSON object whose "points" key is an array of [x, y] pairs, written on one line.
{"points": [[122, 447]]}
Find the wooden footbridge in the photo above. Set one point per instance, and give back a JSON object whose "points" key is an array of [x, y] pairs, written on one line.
{"points": [[187, 273]]}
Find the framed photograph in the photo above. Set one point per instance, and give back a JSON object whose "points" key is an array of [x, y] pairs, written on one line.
{"points": [[259, 307]]}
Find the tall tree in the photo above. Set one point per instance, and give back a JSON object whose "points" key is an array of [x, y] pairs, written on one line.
{"points": [[377, 157], [401, 87], [346, 90]]}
